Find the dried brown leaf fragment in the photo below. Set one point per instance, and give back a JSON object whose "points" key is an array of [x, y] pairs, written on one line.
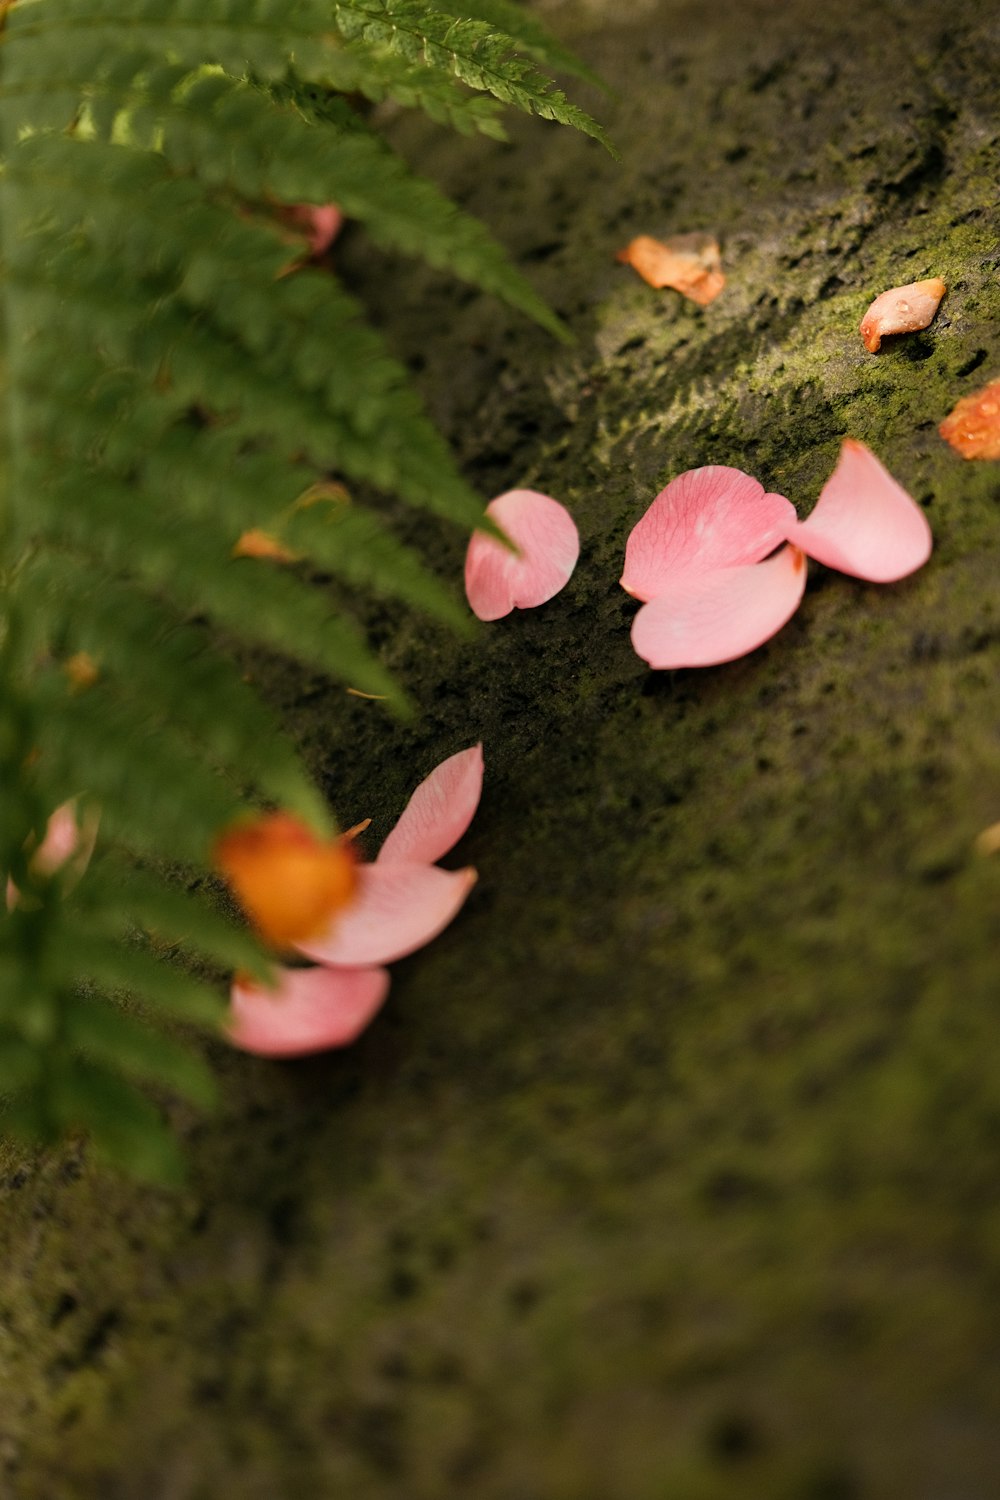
{"points": [[902, 309], [687, 263]]}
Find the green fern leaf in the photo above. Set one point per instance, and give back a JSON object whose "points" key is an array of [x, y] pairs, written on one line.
{"points": [[474, 51], [176, 376]]}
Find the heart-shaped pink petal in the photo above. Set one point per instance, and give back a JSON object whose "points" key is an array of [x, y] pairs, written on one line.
{"points": [[498, 580], [398, 908], [439, 812], [705, 519], [864, 523], [702, 621], [307, 1011]]}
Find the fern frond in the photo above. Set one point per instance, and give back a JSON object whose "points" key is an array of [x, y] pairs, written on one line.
{"points": [[121, 898], [107, 1035], [142, 648], [177, 375], [115, 970], [526, 31], [124, 1126], [475, 52]]}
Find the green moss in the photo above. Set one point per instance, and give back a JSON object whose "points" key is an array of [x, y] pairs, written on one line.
{"points": [[669, 1171]]}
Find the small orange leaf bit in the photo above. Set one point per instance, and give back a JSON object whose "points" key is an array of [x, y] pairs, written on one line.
{"points": [[261, 544], [973, 427], [902, 309], [688, 263], [290, 883]]}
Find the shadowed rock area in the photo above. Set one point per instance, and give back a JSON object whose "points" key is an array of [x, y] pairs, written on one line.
{"points": [[670, 1171]]}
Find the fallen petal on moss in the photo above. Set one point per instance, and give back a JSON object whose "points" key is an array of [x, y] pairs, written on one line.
{"points": [[498, 580], [439, 812], [399, 906], [705, 519], [864, 523], [702, 621], [687, 263], [902, 309], [973, 426], [308, 1010]]}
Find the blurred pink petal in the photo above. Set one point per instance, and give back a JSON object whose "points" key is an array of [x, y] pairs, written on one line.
{"points": [[62, 836], [703, 620], [326, 224], [864, 523], [308, 1011], [322, 222], [398, 908], [705, 519], [67, 845], [498, 580], [439, 812]]}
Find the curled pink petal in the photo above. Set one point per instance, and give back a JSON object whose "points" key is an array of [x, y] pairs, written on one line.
{"points": [[704, 620], [308, 1010], [398, 908], [439, 812], [864, 523], [498, 580], [705, 519]]}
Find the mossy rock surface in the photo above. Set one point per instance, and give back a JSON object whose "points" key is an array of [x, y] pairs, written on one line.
{"points": [[670, 1171]]}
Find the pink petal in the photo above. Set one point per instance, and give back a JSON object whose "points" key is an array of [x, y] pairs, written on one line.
{"points": [[308, 1011], [62, 835], [67, 845], [326, 225], [399, 907], [497, 580], [322, 222], [864, 523], [701, 621], [439, 811], [704, 520]]}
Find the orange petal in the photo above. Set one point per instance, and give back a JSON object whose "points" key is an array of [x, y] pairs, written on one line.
{"points": [[290, 883], [902, 309], [689, 263], [973, 427], [257, 543], [82, 670]]}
